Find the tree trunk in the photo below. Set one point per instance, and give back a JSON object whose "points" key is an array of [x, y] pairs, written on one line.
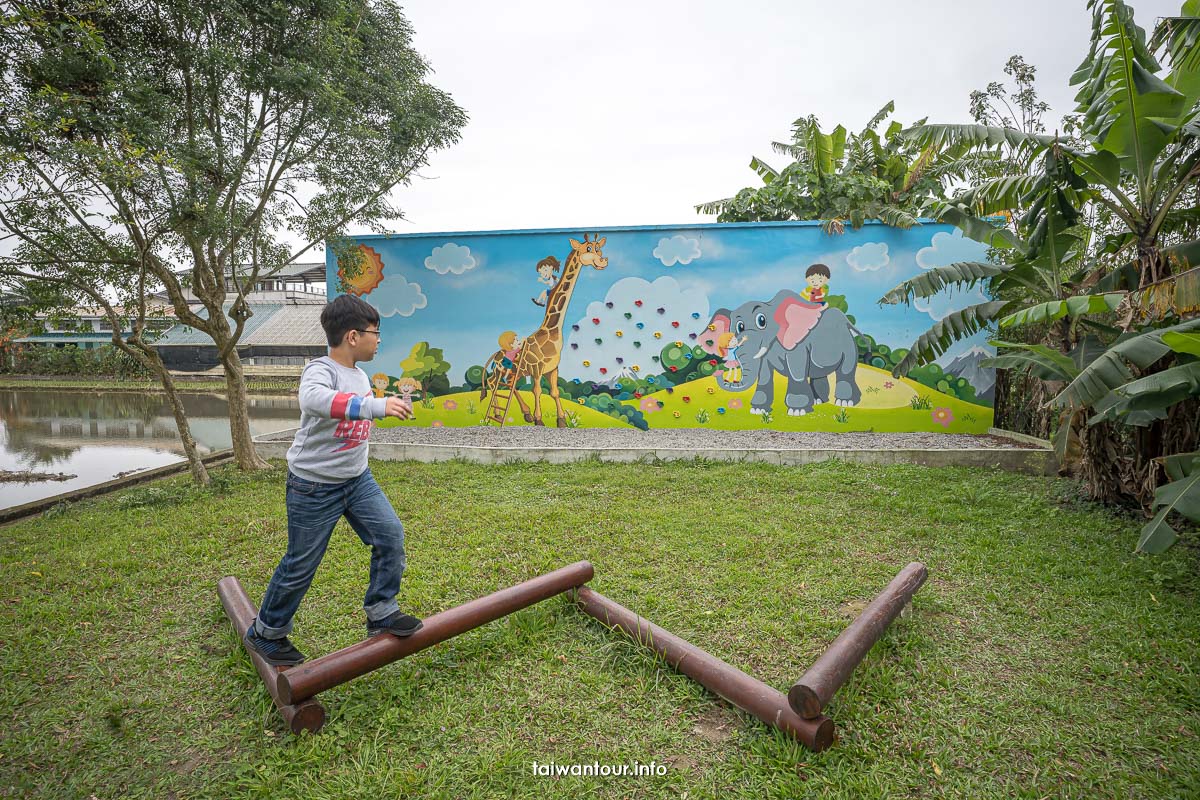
{"points": [[195, 465], [239, 415]]}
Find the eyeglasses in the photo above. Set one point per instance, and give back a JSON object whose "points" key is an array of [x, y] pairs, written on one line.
{"points": [[377, 333]]}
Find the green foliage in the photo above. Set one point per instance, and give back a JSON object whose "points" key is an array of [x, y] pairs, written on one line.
{"points": [[473, 377], [106, 361], [425, 364], [840, 177]]}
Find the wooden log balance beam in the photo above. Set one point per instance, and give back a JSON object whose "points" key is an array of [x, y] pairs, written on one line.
{"points": [[308, 715], [809, 695], [305, 680], [725, 680]]}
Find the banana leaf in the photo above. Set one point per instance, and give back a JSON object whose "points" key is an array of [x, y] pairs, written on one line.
{"points": [[1110, 370], [1057, 309], [960, 274], [1183, 342], [1042, 361], [1146, 399], [946, 332], [1181, 495]]}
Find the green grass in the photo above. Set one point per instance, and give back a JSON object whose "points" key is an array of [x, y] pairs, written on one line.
{"points": [[1041, 659]]}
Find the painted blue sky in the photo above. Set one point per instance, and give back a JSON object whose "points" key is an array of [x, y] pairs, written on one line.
{"points": [[459, 291]]}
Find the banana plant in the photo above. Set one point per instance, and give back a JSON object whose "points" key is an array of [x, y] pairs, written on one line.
{"points": [[1110, 306]]}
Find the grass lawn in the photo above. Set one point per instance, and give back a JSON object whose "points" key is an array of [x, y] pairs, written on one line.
{"points": [[1041, 658]]}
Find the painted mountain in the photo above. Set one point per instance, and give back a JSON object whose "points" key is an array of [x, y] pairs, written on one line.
{"points": [[967, 366]]}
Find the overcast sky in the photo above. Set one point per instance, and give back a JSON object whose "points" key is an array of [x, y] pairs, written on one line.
{"points": [[624, 113]]}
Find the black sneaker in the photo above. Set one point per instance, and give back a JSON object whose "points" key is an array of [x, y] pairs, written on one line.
{"points": [[397, 623], [277, 652]]}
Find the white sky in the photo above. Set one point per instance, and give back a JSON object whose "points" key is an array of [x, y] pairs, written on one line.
{"points": [[624, 113]]}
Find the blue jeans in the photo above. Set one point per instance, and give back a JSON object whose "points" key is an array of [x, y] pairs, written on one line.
{"points": [[313, 509]]}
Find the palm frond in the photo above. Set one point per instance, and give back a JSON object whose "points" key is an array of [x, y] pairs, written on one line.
{"points": [[947, 331]]}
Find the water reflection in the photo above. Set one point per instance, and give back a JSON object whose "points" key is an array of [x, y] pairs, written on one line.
{"points": [[99, 435]]}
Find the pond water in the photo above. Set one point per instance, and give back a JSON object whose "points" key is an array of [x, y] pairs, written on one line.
{"points": [[96, 436]]}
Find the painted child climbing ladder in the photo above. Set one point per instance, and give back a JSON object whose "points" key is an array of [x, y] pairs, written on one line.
{"points": [[730, 326]]}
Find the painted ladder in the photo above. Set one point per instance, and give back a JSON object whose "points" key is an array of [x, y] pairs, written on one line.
{"points": [[508, 389]]}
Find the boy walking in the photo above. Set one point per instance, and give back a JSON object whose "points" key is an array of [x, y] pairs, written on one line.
{"points": [[328, 478]]}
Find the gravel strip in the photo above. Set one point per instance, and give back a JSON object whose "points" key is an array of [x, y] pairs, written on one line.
{"points": [[684, 438]]}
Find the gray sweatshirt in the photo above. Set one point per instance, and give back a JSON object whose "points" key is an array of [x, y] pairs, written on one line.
{"points": [[336, 409]]}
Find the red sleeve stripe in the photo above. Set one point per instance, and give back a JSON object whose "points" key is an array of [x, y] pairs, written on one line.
{"points": [[340, 401]]}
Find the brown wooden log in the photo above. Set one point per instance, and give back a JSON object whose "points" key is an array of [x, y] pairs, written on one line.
{"points": [[308, 715], [725, 680], [307, 679], [809, 695]]}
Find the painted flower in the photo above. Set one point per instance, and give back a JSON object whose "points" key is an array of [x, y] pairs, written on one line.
{"points": [[735, 402], [888, 384], [449, 405], [437, 423], [943, 416], [649, 404]]}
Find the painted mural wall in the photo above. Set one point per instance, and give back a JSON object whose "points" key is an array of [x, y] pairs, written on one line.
{"points": [[727, 326]]}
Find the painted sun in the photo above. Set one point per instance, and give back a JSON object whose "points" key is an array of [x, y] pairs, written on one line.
{"points": [[369, 276]]}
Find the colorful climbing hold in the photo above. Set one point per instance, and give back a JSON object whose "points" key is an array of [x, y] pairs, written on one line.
{"points": [[712, 327], [711, 390], [637, 303], [574, 327], [673, 368], [675, 414], [720, 409], [637, 344], [638, 395], [604, 370], [675, 324], [712, 361], [636, 368], [641, 325], [655, 358], [595, 320], [692, 336], [658, 334], [599, 340], [662, 310], [620, 360], [608, 304], [574, 345], [679, 344], [695, 315], [620, 333], [650, 379], [587, 363], [688, 356]]}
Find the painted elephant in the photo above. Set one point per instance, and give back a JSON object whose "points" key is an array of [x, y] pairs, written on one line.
{"points": [[787, 334]]}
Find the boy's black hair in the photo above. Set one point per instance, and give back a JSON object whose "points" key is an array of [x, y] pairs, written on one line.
{"points": [[345, 313], [817, 269]]}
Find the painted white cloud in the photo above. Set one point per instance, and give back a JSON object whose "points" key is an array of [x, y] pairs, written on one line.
{"points": [[677, 249], [945, 303], [868, 257], [949, 248], [402, 297], [635, 346], [450, 257]]}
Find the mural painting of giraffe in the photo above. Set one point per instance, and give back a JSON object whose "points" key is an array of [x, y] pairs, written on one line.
{"points": [[542, 349]]}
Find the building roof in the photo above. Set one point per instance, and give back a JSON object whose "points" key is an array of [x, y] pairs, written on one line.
{"points": [[311, 271], [271, 324]]}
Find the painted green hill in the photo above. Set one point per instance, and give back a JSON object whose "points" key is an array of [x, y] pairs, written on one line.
{"points": [[888, 404], [465, 409]]}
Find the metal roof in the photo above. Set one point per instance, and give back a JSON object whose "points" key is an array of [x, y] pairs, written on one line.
{"points": [[276, 324]]}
